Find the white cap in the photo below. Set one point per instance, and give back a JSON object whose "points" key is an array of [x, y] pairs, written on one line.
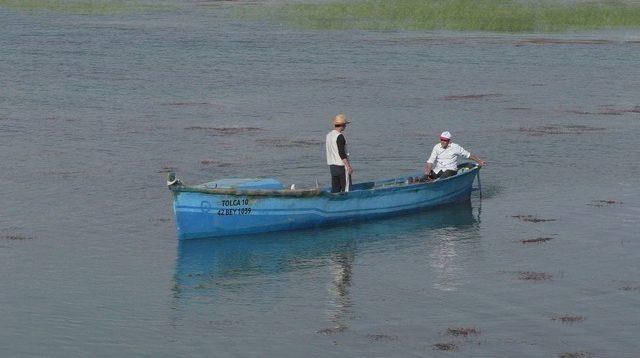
{"points": [[445, 135]]}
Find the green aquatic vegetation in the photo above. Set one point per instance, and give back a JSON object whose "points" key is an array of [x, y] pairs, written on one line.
{"points": [[509, 16], [93, 7]]}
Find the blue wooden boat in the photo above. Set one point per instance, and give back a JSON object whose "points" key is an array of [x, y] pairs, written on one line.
{"points": [[248, 206]]}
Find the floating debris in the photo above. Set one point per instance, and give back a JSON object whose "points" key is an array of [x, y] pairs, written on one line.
{"points": [[334, 330], [537, 240], [560, 129], [518, 108], [568, 319], [224, 130], [534, 276], [531, 218], [449, 347], [16, 237], [381, 338], [601, 203], [581, 354], [630, 288], [462, 97], [463, 331]]}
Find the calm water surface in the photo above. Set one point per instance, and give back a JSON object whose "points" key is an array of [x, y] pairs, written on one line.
{"points": [[95, 109]]}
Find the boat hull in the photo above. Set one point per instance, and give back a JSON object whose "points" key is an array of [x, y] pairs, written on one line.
{"points": [[201, 215]]}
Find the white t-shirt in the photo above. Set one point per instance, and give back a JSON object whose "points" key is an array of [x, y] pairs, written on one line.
{"points": [[446, 159]]}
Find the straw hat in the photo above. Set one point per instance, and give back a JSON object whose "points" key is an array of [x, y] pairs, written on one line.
{"points": [[340, 119]]}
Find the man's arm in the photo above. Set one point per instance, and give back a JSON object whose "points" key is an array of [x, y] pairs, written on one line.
{"points": [[477, 160], [341, 142], [432, 159], [427, 168], [347, 165]]}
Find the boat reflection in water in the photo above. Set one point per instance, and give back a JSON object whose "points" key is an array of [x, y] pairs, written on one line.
{"points": [[208, 267]]}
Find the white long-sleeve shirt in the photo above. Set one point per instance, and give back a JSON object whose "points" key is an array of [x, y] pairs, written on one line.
{"points": [[446, 159]]}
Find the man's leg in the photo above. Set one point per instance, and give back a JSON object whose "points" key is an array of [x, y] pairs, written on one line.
{"points": [[432, 175], [335, 184], [343, 180], [338, 178], [448, 173]]}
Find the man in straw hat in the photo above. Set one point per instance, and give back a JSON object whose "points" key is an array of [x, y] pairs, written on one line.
{"points": [[337, 157], [445, 156]]}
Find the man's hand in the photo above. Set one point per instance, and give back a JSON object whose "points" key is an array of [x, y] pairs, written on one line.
{"points": [[477, 160], [349, 170]]}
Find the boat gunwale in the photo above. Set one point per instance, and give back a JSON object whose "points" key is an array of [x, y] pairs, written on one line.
{"points": [[316, 191]]}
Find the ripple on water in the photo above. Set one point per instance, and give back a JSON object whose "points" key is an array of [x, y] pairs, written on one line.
{"points": [[603, 203], [531, 218], [224, 130], [555, 41], [534, 276], [463, 331], [284, 143], [184, 104], [608, 111], [381, 338], [332, 330], [579, 354], [214, 162], [537, 240], [167, 169], [472, 96], [568, 319], [559, 129]]}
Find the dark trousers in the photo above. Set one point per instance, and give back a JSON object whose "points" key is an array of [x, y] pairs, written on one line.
{"points": [[442, 174], [338, 178]]}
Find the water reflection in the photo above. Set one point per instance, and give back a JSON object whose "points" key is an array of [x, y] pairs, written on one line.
{"points": [[206, 268], [341, 274]]}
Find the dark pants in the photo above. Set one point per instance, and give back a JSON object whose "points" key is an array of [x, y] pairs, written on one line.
{"points": [[338, 178], [442, 174]]}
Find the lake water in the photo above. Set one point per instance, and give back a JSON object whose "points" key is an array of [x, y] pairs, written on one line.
{"points": [[95, 109]]}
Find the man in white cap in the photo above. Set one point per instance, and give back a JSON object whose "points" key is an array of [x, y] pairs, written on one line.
{"points": [[445, 157], [337, 157]]}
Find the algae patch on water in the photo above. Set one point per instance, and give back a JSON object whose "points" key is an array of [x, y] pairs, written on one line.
{"points": [[89, 7], [509, 16]]}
